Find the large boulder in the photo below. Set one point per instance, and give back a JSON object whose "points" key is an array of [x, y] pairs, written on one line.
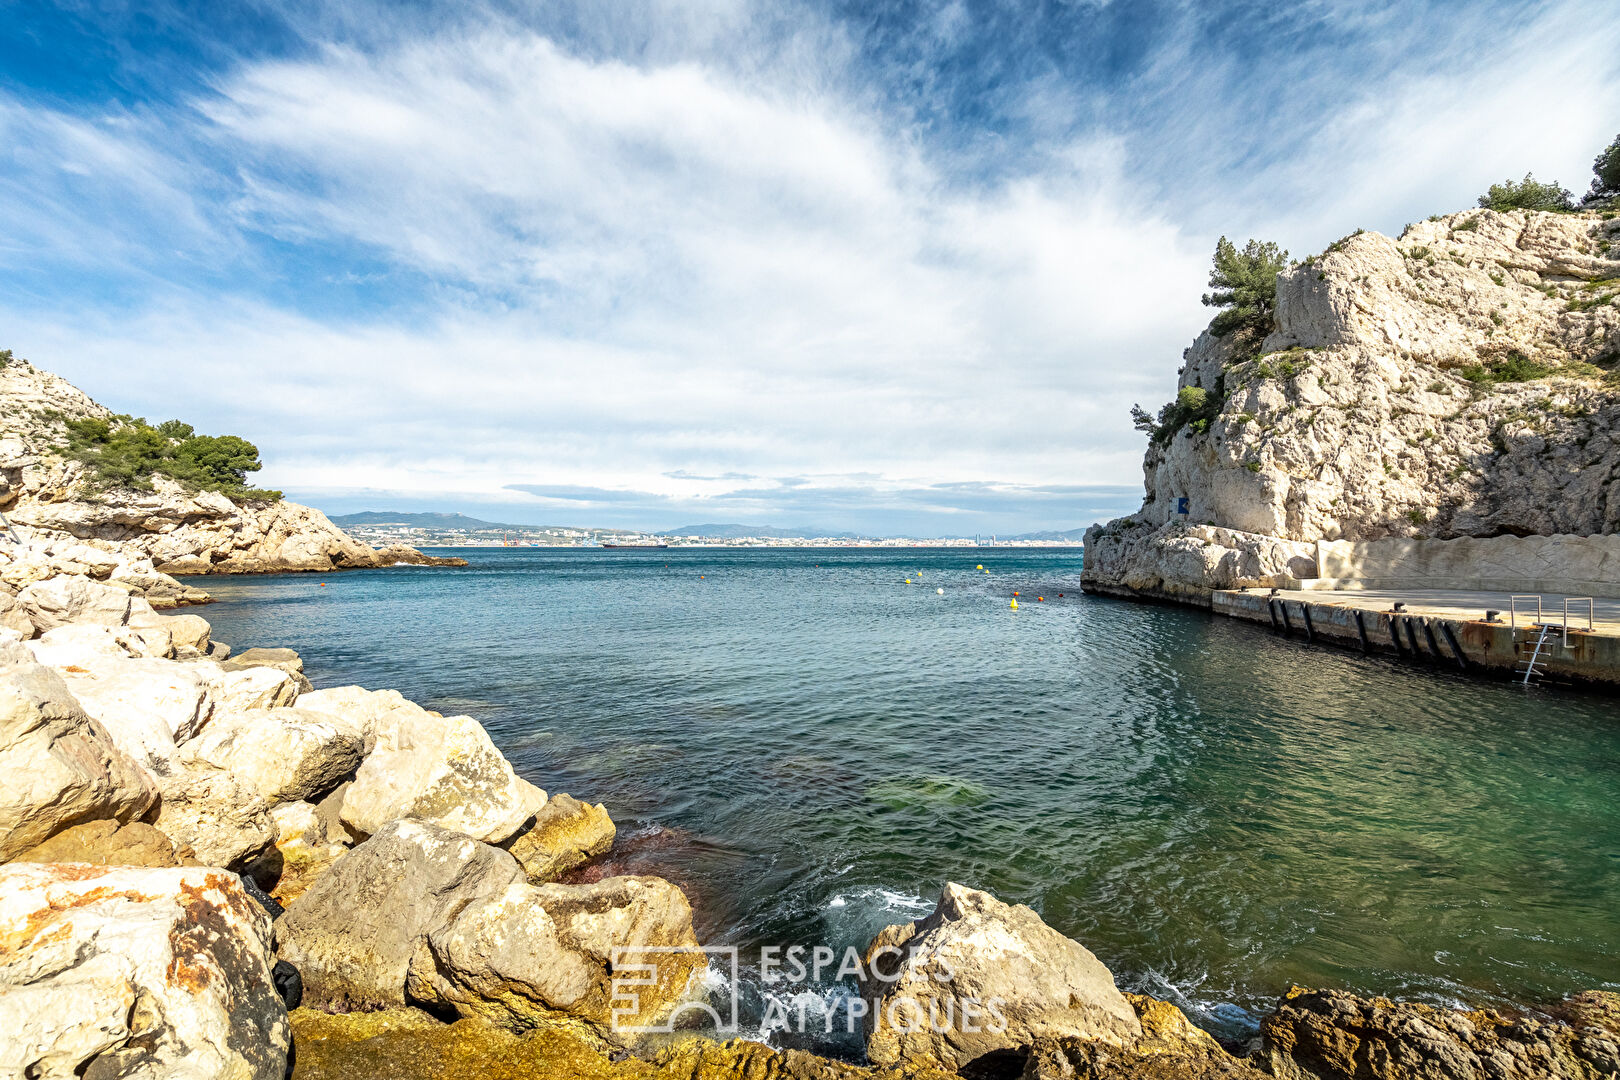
{"points": [[532, 951], [210, 811], [60, 600], [58, 766], [353, 933], [121, 971], [148, 705], [565, 834], [84, 645], [108, 843], [284, 754], [978, 977], [373, 712], [442, 770], [13, 616], [1331, 1035], [256, 688]]}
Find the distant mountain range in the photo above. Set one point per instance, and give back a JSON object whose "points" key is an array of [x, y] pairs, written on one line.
{"points": [[1072, 535], [422, 521]]}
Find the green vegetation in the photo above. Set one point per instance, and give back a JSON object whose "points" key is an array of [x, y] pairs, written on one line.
{"points": [[1245, 286], [1603, 292], [1416, 517], [1527, 194], [1339, 244], [1513, 368], [1194, 407], [5, 358], [1466, 226], [126, 451], [1252, 466], [1607, 169]]}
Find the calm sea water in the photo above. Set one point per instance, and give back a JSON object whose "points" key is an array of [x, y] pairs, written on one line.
{"points": [[813, 747]]}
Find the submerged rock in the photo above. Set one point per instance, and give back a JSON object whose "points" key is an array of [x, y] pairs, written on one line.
{"points": [[119, 971], [980, 977], [307, 844]]}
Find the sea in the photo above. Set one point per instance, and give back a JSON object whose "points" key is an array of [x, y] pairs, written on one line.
{"points": [[812, 742]]}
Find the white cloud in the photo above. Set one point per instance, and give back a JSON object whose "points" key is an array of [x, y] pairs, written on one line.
{"points": [[709, 260]]}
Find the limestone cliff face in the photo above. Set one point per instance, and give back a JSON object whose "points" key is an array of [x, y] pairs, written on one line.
{"points": [[181, 531], [1355, 419]]}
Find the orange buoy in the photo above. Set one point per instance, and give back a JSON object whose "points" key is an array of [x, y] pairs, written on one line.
{"points": [[1018, 594], [1040, 598]]}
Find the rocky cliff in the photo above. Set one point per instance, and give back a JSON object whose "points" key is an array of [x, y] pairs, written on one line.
{"points": [[52, 502], [1462, 379]]}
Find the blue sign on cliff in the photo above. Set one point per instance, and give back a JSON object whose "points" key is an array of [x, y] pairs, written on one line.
{"points": [[1181, 505]]}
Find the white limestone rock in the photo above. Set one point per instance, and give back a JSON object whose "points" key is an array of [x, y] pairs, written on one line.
{"points": [[148, 705], [124, 971], [285, 754], [58, 767], [442, 770], [60, 600], [531, 951], [255, 688], [1356, 421], [976, 957], [223, 820]]}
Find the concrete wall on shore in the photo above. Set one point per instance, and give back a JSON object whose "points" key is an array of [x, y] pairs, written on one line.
{"points": [[1572, 565]]}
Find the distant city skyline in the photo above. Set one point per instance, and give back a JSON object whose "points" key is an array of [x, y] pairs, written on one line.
{"points": [[885, 268]]}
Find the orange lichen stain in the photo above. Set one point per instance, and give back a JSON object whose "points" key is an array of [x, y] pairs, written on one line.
{"points": [[28, 935], [76, 669]]}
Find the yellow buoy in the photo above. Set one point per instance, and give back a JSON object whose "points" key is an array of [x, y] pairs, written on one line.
{"points": [[1014, 605], [979, 567], [908, 581]]}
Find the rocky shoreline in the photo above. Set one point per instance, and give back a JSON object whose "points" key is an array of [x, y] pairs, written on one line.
{"points": [[57, 511], [212, 869]]}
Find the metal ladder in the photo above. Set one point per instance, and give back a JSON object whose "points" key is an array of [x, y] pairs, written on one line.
{"points": [[10, 533], [1547, 631]]}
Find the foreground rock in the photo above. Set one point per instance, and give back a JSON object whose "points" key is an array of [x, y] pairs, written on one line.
{"points": [[115, 971], [565, 834], [978, 977], [1329, 1035], [401, 1043], [284, 754], [530, 952], [353, 934], [308, 842], [58, 767], [1171, 1048], [441, 770]]}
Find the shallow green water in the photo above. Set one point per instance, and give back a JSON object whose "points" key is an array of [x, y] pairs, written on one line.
{"points": [[813, 747]]}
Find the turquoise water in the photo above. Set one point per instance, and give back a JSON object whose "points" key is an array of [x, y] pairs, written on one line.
{"points": [[812, 747]]}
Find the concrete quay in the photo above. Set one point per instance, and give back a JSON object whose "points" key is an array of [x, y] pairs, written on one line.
{"points": [[1447, 628]]}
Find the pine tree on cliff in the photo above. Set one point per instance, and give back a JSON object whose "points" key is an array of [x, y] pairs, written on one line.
{"points": [[1245, 284], [1607, 168]]}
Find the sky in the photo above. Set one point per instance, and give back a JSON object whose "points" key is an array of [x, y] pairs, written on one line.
{"points": [[881, 267]]}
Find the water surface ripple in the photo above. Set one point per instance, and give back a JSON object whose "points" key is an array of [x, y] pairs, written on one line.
{"points": [[813, 747]]}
